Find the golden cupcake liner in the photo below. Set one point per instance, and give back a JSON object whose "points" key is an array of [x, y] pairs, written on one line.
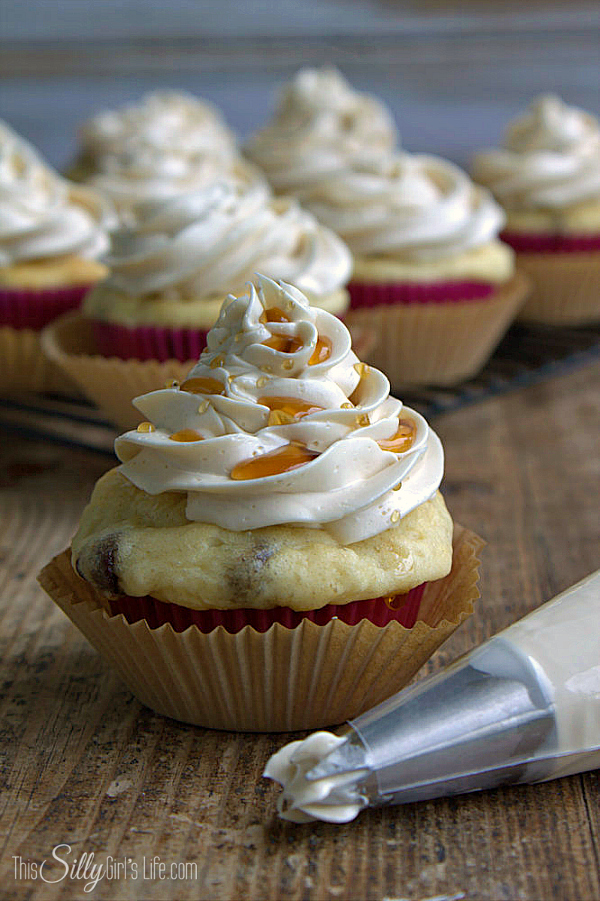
{"points": [[280, 680], [24, 366], [108, 382], [565, 288], [439, 343]]}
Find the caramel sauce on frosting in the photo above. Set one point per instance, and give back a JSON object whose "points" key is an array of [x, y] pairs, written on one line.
{"points": [[279, 423]]}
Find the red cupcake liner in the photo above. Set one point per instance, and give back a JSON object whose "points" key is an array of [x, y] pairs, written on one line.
{"points": [[33, 309], [148, 342], [376, 610], [375, 294], [535, 243]]}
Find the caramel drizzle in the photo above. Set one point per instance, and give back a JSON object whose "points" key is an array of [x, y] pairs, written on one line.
{"points": [[284, 459], [395, 601], [291, 344], [186, 435], [203, 385], [289, 406], [273, 314], [403, 439]]}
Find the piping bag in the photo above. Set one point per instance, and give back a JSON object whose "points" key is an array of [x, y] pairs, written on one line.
{"points": [[523, 707]]}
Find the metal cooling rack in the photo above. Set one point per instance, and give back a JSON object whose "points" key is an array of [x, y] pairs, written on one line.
{"points": [[526, 355]]}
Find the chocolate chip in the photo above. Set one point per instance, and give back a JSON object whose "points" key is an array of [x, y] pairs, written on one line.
{"points": [[98, 565], [246, 576]]}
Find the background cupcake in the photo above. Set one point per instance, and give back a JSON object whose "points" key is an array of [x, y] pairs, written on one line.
{"points": [[169, 143], [430, 274], [547, 177], [319, 125], [279, 447], [52, 234], [169, 273]]}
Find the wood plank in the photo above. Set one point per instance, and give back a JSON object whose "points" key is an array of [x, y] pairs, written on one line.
{"points": [[84, 763]]}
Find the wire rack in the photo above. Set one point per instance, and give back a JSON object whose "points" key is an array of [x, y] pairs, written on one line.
{"points": [[526, 355]]}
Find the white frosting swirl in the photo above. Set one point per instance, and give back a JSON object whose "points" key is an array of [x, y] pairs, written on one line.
{"points": [[320, 124], [551, 159], [166, 145], [41, 214], [348, 486], [210, 241], [169, 121], [410, 206]]}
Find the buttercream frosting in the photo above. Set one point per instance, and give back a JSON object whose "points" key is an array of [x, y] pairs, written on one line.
{"points": [[166, 145], [333, 799], [201, 244], [320, 124], [270, 353], [410, 206], [42, 215], [550, 159]]}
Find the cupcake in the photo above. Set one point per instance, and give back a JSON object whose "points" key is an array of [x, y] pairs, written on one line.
{"points": [[430, 273], [547, 178], [320, 124], [168, 144], [189, 570], [52, 234], [168, 276]]}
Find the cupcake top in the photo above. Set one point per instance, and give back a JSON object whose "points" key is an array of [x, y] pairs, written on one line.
{"points": [[168, 144], [168, 121], [197, 246], [279, 423], [410, 206], [550, 159], [42, 215], [320, 124]]}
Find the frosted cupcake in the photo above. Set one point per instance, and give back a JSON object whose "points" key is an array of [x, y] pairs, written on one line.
{"points": [[430, 273], [279, 448], [52, 234], [547, 178], [168, 144], [168, 276], [320, 124]]}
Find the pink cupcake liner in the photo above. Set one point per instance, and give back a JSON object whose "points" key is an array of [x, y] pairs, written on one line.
{"points": [[34, 309], [375, 294], [376, 610], [148, 342], [535, 243]]}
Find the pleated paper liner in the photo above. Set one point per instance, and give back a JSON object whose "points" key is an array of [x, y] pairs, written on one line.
{"points": [[280, 680], [108, 382], [24, 367], [23, 313], [111, 383], [565, 288], [404, 609], [435, 343], [148, 342], [530, 242]]}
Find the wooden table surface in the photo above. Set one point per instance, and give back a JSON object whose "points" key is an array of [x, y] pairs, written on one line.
{"points": [[85, 765]]}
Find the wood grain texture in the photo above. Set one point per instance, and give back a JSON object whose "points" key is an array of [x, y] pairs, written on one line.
{"points": [[83, 763]]}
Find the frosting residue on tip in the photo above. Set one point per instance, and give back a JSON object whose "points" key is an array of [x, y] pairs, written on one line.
{"points": [[42, 215], [333, 799], [279, 423], [320, 124], [213, 240], [411, 206], [550, 158]]}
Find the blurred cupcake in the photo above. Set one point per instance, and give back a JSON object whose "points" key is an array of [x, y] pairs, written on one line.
{"points": [[279, 448], [168, 144], [52, 234], [430, 274], [320, 125], [547, 177], [169, 274]]}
